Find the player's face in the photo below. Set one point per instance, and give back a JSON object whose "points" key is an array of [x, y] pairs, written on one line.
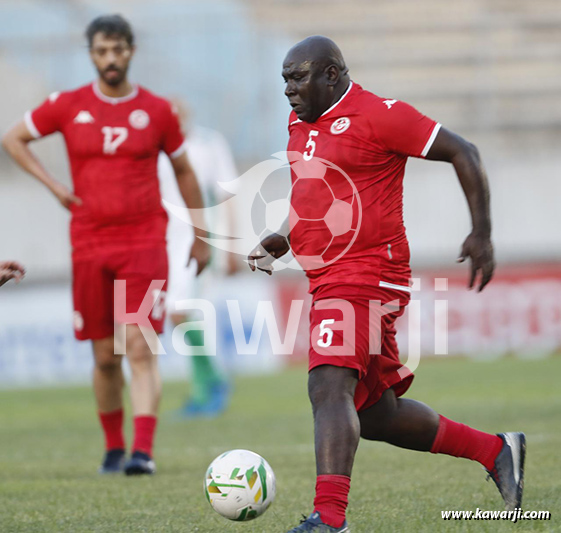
{"points": [[111, 57], [306, 89]]}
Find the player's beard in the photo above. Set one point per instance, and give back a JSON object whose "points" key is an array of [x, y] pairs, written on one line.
{"points": [[113, 75]]}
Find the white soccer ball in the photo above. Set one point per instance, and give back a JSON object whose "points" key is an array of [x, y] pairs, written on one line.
{"points": [[240, 485]]}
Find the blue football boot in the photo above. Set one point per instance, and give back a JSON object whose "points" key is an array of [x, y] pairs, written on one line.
{"points": [[508, 470], [314, 523], [140, 463], [113, 462]]}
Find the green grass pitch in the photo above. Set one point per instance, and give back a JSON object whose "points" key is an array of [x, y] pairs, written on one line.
{"points": [[50, 448]]}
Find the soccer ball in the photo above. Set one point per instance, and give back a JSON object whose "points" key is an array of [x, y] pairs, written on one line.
{"points": [[240, 485]]}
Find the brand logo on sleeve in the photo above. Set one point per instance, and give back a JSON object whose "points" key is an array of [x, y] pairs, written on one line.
{"points": [[389, 103], [139, 119], [84, 117], [340, 125]]}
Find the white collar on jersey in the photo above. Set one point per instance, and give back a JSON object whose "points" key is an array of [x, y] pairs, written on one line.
{"points": [[113, 100], [340, 99]]}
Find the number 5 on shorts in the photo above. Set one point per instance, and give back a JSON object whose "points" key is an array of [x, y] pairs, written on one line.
{"points": [[328, 332]]}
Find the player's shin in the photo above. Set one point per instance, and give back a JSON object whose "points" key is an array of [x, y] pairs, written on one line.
{"points": [[337, 432], [336, 438], [108, 383], [145, 389], [145, 395]]}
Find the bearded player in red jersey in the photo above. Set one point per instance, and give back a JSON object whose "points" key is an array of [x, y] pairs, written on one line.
{"points": [[114, 132], [357, 393]]}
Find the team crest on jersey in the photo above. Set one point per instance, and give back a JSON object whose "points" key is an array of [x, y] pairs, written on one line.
{"points": [[139, 119], [84, 117], [340, 125]]}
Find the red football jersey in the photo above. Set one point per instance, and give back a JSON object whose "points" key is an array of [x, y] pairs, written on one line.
{"points": [[347, 172], [113, 146]]}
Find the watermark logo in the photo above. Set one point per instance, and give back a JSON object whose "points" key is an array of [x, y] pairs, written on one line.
{"points": [[322, 207], [338, 328]]}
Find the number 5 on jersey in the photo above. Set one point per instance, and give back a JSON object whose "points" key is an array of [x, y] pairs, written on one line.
{"points": [[113, 138], [310, 145], [325, 333]]}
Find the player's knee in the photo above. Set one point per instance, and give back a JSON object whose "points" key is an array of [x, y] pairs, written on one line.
{"points": [[141, 344], [108, 363], [138, 353], [320, 394], [106, 360], [331, 385]]}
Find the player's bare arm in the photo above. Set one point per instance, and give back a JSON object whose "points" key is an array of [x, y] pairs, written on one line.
{"points": [[11, 270], [16, 143], [191, 193], [269, 249], [467, 163]]}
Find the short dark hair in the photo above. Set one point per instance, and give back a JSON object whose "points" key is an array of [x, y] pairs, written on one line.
{"points": [[110, 26]]}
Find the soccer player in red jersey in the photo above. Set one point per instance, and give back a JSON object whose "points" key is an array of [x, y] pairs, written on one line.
{"points": [[355, 390], [114, 131]]}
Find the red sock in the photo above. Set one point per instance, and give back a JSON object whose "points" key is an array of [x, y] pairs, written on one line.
{"points": [[112, 424], [331, 499], [460, 440], [144, 429]]}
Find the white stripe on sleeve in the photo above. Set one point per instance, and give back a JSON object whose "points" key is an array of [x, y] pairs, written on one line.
{"points": [[387, 285], [432, 137], [31, 126], [178, 152]]}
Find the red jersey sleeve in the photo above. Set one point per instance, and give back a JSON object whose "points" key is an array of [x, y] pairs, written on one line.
{"points": [[403, 130], [48, 117], [172, 140]]}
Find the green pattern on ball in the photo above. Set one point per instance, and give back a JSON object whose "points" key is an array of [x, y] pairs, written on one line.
{"points": [[263, 476], [243, 514]]}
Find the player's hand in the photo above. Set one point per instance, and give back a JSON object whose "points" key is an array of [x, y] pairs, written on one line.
{"points": [[480, 251], [200, 252], [65, 196], [266, 252], [11, 270]]}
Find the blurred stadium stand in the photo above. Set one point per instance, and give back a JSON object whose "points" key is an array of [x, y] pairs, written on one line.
{"points": [[480, 65]]}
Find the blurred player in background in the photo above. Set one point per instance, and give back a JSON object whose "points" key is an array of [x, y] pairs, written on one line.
{"points": [[353, 393], [212, 161], [114, 132], [11, 270]]}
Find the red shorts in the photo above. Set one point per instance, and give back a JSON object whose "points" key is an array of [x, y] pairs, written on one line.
{"points": [[349, 328], [96, 309]]}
